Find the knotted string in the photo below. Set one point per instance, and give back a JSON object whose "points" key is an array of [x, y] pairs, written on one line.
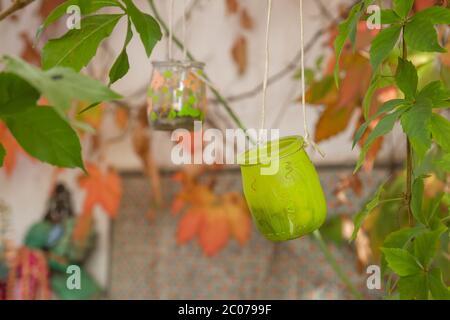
{"points": [[307, 137], [184, 32]]}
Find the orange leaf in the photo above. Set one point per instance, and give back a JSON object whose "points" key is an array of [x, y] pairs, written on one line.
{"points": [[374, 148], [122, 118], [238, 216], [240, 224], [12, 149], [82, 227], [246, 20], [104, 189], [232, 6], [214, 231], [331, 122], [239, 54], [190, 225]]}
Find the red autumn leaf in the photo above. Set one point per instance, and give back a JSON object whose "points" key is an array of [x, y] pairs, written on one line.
{"points": [[47, 6], [214, 231], [423, 4], [190, 225], [178, 204], [29, 51], [102, 188]]}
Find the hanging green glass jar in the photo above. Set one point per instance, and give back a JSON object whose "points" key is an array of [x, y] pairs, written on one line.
{"points": [[177, 95], [290, 202]]}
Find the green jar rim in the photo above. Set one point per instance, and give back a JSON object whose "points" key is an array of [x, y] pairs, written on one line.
{"points": [[287, 146]]}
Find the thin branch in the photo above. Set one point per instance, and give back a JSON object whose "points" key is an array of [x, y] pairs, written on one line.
{"points": [[15, 6], [292, 65]]}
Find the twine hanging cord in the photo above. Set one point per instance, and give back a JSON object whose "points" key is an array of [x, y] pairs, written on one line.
{"points": [[307, 138], [171, 7]]}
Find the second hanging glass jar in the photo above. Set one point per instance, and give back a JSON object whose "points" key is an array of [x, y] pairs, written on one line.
{"points": [[177, 95]]}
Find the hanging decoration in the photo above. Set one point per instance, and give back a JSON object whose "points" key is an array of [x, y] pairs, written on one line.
{"points": [[177, 93], [51, 245], [290, 203]]}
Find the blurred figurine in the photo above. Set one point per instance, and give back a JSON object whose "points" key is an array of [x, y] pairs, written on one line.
{"points": [[65, 240]]}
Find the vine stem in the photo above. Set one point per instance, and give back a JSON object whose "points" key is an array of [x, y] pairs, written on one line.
{"points": [[333, 263], [316, 234], [409, 165]]}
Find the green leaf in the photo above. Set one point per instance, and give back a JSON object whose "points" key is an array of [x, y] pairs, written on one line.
{"points": [[383, 44], [401, 261], [376, 83], [385, 108], [420, 34], [417, 199], [86, 7], [147, 27], [406, 78], [437, 93], [440, 130], [16, 95], [77, 47], [2, 154], [346, 29], [435, 15], [415, 123], [46, 136], [121, 65], [425, 246], [403, 7], [362, 215], [383, 127], [413, 287], [401, 238], [438, 289], [389, 16], [60, 85], [444, 162]]}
